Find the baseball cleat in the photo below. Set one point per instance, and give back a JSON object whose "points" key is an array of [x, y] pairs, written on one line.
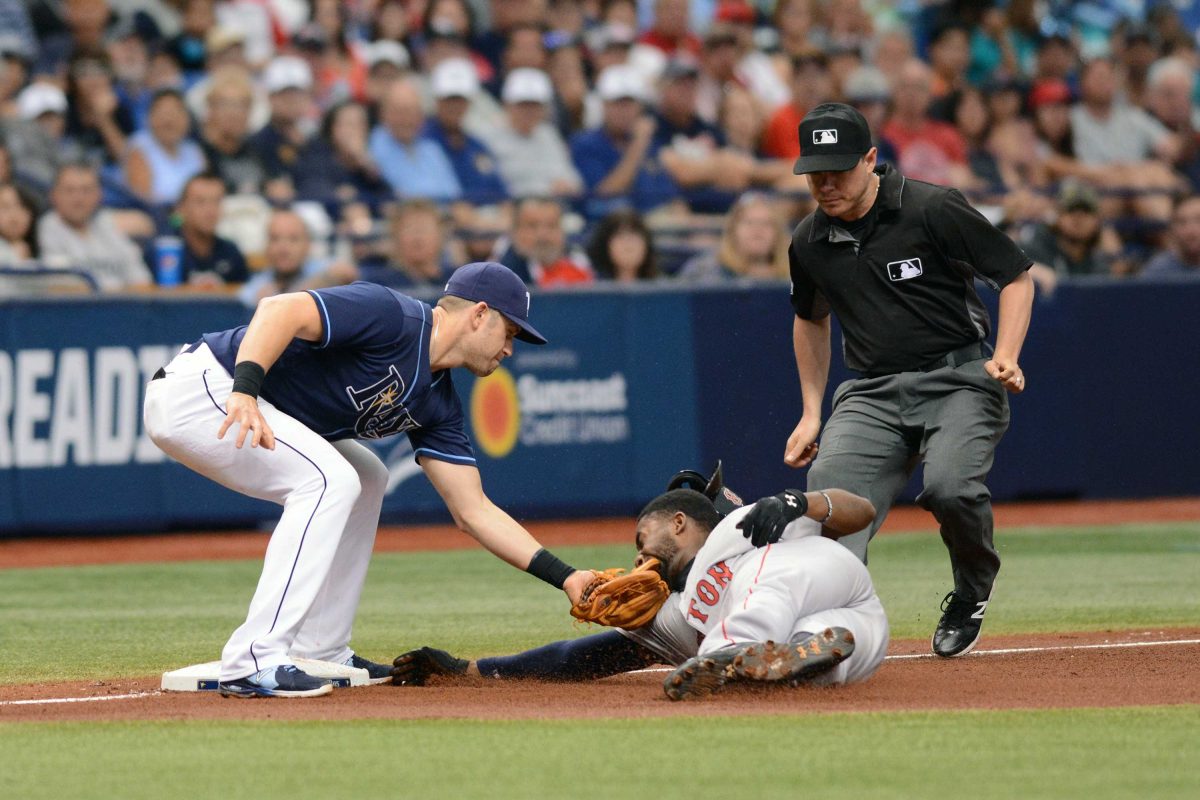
{"points": [[282, 681], [700, 676], [794, 662], [960, 626], [376, 673]]}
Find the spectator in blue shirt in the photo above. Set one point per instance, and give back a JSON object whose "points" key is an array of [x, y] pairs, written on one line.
{"points": [[453, 83], [416, 246], [618, 159], [413, 164], [210, 262]]}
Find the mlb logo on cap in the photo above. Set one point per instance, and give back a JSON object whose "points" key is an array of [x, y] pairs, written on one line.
{"points": [[833, 138]]}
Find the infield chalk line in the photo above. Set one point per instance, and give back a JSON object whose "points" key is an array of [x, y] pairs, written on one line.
{"points": [[1006, 651], [50, 700]]}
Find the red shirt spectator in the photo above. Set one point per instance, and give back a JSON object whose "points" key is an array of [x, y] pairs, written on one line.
{"points": [[670, 32], [926, 149], [810, 86]]}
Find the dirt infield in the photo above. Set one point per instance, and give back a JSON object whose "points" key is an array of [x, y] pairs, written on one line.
{"points": [[62, 552], [1061, 670], [1049, 676]]}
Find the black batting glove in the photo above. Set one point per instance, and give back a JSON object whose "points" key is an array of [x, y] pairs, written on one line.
{"points": [[416, 667], [770, 515]]}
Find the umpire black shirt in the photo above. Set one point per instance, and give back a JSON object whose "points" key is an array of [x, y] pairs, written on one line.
{"points": [[903, 290]]}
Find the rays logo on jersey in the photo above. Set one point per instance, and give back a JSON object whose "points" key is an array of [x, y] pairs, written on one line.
{"points": [[382, 412]]}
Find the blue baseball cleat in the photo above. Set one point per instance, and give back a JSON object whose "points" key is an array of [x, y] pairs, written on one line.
{"points": [[282, 681], [376, 673]]}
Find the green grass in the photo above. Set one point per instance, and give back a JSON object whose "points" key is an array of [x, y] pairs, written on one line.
{"points": [[139, 619], [1098, 754]]}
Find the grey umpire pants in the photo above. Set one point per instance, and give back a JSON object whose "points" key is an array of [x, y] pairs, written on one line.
{"points": [[950, 419]]}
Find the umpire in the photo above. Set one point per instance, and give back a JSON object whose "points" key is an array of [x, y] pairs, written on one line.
{"points": [[896, 260]]}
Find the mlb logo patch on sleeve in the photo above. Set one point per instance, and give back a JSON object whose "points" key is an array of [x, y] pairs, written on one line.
{"points": [[826, 136], [904, 270]]}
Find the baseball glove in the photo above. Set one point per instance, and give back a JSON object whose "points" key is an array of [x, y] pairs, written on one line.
{"points": [[621, 599]]}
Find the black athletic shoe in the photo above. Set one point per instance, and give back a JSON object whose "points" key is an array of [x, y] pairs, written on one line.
{"points": [[376, 673], [959, 628], [284, 681]]}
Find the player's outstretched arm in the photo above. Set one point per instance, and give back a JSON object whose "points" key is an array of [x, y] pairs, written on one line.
{"points": [[474, 514], [583, 659], [851, 512]]}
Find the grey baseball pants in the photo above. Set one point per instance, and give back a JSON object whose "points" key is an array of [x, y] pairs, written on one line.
{"points": [[949, 419]]}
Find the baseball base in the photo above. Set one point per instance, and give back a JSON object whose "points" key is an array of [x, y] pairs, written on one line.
{"points": [[205, 677]]}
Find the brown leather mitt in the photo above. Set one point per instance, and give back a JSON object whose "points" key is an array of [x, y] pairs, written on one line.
{"points": [[621, 599]]}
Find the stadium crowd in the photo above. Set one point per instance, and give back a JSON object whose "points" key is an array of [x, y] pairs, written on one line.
{"points": [[256, 146]]}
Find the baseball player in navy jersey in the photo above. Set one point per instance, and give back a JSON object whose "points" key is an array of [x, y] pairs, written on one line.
{"points": [[760, 595], [273, 409]]}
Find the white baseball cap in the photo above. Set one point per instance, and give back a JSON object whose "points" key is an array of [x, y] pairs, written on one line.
{"points": [[454, 77], [386, 51], [41, 98], [287, 72], [526, 85], [620, 82]]}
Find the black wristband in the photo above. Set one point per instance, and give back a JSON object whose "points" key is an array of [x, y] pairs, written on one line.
{"points": [[248, 378], [550, 568]]}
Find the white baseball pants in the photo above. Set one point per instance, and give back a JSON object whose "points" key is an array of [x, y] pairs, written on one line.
{"points": [[804, 586], [331, 493]]}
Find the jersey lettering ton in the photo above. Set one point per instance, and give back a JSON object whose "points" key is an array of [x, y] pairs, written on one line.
{"points": [[368, 377], [725, 572]]}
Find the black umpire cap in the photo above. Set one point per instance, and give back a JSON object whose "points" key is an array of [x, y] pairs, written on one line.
{"points": [[833, 137]]}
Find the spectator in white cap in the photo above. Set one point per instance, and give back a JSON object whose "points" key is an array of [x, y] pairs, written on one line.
{"points": [[45, 104], [413, 164], [618, 159], [225, 51], [454, 83], [387, 62], [289, 81], [36, 138], [533, 157]]}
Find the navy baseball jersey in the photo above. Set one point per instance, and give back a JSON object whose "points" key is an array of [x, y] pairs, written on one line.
{"points": [[368, 377]]}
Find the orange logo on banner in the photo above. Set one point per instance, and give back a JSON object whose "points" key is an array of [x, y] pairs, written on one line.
{"points": [[495, 413]]}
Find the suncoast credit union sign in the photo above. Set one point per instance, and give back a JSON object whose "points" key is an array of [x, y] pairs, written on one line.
{"points": [[537, 411]]}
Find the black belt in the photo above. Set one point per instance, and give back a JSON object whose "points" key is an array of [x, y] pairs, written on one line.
{"points": [[963, 355], [191, 348]]}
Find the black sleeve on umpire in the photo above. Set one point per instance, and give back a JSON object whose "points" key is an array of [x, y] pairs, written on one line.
{"points": [[970, 242], [807, 300], [583, 659]]}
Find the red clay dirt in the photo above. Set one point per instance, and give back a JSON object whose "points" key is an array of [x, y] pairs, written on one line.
{"points": [[62, 552], [1053, 678], [1063, 671]]}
